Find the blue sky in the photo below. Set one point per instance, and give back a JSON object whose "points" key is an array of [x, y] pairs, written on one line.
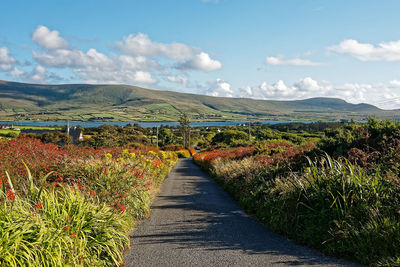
{"points": [[283, 49]]}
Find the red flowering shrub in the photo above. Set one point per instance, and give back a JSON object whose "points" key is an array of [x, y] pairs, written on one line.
{"points": [[108, 174]]}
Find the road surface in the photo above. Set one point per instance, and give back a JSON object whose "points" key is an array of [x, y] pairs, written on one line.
{"points": [[195, 223]]}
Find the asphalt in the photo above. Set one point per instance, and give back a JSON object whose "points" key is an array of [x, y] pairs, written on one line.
{"points": [[195, 223]]}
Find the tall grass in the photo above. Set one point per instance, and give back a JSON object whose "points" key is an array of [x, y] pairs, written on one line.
{"points": [[332, 205], [337, 207], [59, 228], [76, 205]]}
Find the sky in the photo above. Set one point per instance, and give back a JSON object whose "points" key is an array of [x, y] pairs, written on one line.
{"points": [[262, 49]]}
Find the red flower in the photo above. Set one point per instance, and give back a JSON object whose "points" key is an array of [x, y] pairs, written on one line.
{"points": [[66, 228], [38, 206], [73, 235], [10, 195]]}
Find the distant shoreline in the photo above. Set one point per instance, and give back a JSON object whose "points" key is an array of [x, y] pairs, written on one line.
{"points": [[146, 124]]}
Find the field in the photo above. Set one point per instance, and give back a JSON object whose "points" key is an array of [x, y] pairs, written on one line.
{"points": [[338, 193], [83, 102], [73, 205]]}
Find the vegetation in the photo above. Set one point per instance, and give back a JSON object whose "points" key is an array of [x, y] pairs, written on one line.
{"points": [[331, 186], [115, 136], [345, 206], [73, 205], [185, 129], [8, 133]]}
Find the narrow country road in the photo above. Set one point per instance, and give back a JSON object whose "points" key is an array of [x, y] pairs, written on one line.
{"points": [[195, 223]]}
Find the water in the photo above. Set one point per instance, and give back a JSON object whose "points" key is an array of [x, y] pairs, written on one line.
{"points": [[142, 124]]}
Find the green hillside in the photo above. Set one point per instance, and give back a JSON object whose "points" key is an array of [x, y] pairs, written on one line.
{"points": [[82, 102]]}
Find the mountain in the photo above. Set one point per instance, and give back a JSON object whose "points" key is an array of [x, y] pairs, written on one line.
{"points": [[84, 102]]}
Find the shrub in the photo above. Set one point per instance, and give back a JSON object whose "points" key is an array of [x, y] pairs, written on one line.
{"points": [[337, 207], [183, 153]]}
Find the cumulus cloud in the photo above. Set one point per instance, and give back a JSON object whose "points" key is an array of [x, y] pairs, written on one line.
{"points": [[143, 77], [48, 39], [305, 88], [383, 95], [137, 63], [278, 90], [38, 75], [308, 85], [141, 45], [178, 79], [17, 73], [220, 88], [201, 61], [93, 66], [6, 60], [384, 51], [395, 83], [281, 60]]}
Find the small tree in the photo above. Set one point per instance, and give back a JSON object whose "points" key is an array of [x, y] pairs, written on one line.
{"points": [[185, 130]]}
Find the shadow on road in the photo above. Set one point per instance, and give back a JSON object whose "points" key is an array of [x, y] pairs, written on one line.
{"points": [[203, 216]]}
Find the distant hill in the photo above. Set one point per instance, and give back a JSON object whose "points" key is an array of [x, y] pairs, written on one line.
{"points": [[83, 102]]}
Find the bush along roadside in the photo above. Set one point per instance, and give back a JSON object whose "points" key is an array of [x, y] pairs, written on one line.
{"points": [[332, 205], [73, 206]]}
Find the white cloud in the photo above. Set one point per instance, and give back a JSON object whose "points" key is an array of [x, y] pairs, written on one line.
{"points": [[395, 83], [308, 85], [178, 79], [278, 90], [281, 60], [220, 88], [143, 77], [92, 66], [384, 51], [137, 64], [386, 96], [38, 75], [141, 45], [72, 58], [17, 73], [6, 61], [48, 39], [201, 61]]}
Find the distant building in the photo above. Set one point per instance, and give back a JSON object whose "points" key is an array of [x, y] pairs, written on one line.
{"points": [[6, 126], [76, 134]]}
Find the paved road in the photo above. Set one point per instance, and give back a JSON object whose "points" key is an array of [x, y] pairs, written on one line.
{"points": [[195, 223]]}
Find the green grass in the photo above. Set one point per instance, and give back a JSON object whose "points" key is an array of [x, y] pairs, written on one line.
{"points": [[59, 228], [37, 127], [8, 133], [333, 206]]}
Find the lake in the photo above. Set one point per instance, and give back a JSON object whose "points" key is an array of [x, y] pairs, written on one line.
{"points": [[142, 124]]}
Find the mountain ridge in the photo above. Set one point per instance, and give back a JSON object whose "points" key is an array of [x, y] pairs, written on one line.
{"points": [[127, 102]]}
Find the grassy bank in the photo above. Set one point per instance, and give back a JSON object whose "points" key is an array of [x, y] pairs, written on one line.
{"points": [[335, 206], [73, 205]]}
